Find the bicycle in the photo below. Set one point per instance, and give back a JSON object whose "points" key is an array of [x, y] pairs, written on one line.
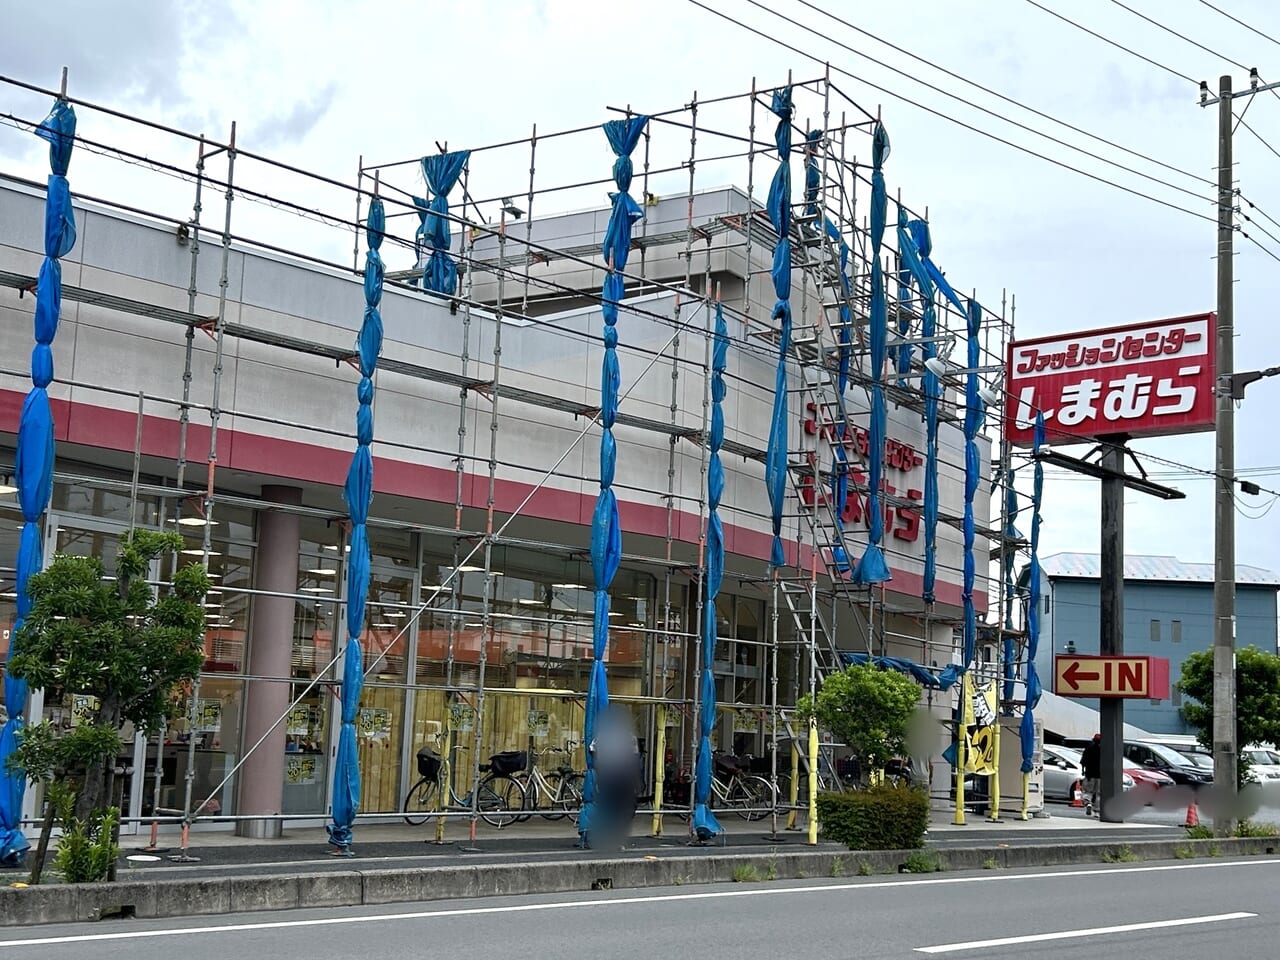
{"points": [[749, 795], [561, 789], [497, 799]]}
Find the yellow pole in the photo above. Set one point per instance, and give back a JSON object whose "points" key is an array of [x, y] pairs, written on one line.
{"points": [[794, 799], [993, 809], [813, 781], [961, 733], [1026, 796], [660, 769], [443, 792]]}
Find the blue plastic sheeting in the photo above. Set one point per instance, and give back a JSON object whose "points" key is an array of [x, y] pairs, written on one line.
{"points": [[1010, 534], [33, 463], [873, 568], [904, 301], [440, 273], [358, 493], [913, 241], [1027, 731], [606, 528], [974, 414], [705, 824], [945, 679], [779, 209]]}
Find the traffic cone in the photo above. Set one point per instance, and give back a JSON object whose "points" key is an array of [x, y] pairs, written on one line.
{"points": [[1193, 815], [1077, 795]]}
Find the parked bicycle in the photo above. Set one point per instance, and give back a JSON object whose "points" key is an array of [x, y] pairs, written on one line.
{"points": [[498, 800], [555, 794], [734, 787]]}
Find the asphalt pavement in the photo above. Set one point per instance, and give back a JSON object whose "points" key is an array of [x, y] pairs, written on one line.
{"points": [[1167, 911]]}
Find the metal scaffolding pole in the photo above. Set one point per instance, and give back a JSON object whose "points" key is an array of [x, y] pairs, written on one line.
{"points": [[219, 334]]}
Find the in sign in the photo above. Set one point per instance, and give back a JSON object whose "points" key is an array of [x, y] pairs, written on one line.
{"points": [[1122, 677]]}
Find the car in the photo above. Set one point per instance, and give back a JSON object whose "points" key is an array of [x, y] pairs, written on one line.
{"points": [[1264, 764], [1147, 777], [1178, 767], [1062, 770]]}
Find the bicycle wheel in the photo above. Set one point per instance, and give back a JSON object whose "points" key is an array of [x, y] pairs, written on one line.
{"points": [[420, 802], [499, 800], [568, 797], [752, 797]]}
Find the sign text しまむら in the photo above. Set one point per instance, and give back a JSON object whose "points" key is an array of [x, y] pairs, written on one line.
{"points": [[1146, 379]]}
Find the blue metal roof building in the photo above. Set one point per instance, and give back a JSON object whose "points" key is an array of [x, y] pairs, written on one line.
{"points": [[1168, 612]]}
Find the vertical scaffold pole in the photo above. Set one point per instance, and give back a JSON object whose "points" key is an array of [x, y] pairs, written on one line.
{"points": [[486, 617], [215, 413]]}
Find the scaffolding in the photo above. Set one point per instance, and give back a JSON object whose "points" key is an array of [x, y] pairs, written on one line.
{"points": [[814, 615]]}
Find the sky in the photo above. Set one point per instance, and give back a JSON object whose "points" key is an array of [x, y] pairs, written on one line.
{"points": [[324, 84]]}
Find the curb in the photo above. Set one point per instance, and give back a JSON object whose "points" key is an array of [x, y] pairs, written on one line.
{"points": [[65, 903]]}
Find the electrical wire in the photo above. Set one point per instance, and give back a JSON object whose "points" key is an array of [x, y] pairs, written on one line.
{"points": [[1265, 36], [1105, 39], [904, 99], [1180, 36], [959, 99], [1007, 99]]}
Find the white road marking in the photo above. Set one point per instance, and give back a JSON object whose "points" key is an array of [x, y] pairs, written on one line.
{"points": [[1090, 932], [621, 901]]}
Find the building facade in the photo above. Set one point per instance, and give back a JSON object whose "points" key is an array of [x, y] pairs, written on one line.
{"points": [[485, 478], [1168, 612]]}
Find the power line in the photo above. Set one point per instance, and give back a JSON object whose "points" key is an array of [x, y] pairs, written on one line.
{"points": [[1247, 26], [1001, 96], [978, 130], [1104, 39], [1180, 36]]}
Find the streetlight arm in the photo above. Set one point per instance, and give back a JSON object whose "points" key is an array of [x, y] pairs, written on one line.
{"points": [[1234, 384]]}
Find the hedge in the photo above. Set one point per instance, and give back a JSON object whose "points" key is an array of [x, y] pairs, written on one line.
{"points": [[882, 817]]}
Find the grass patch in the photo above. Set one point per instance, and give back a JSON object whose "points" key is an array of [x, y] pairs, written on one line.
{"points": [[771, 872], [746, 873], [990, 864], [1200, 832], [1184, 853], [1121, 854], [920, 862], [837, 866], [865, 869], [1248, 828]]}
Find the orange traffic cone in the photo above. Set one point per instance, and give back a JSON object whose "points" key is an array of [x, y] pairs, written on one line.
{"points": [[1193, 815], [1077, 795]]}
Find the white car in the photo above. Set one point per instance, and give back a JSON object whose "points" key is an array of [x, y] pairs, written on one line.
{"points": [[1264, 764]]}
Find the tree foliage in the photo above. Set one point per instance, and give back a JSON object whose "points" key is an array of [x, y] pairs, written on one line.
{"points": [[869, 709], [1257, 697], [121, 643]]}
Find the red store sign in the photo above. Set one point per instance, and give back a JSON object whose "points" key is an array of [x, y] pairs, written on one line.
{"points": [[1143, 380], [902, 522]]}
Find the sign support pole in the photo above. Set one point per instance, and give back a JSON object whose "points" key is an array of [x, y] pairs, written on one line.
{"points": [[1224, 529], [1111, 608]]}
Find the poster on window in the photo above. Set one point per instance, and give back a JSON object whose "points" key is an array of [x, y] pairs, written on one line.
{"points": [[539, 723], [374, 723], [745, 721], [300, 769], [208, 716], [462, 717], [302, 719], [83, 709]]}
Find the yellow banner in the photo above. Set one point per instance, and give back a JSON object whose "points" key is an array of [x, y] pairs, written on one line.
{"points": [[980, 729]]}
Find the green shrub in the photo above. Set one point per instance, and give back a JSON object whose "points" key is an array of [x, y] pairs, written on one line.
{"points": [[1121, 854], [745, 873], [1247, 828], [923, 863], [1200, 832], [86, 849], [881, 817]]}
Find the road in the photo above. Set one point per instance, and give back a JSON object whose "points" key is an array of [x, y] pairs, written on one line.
{"points": [[1171, 911]]}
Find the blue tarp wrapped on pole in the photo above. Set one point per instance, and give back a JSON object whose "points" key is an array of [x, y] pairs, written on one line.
{"points": [[904, 301], [705, 824], [1027, 731], [913, 247], [606, 528], [973, 417], [873, 568], [945, 679], [33, 463], [439, 273], [358, 493], [1010, 535], [778, 206]]}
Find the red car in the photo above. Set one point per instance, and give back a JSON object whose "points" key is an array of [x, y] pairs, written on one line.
{"points": [[1147, 777]]}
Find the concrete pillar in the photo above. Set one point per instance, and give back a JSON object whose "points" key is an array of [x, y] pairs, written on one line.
{"points": [[275, 569]]}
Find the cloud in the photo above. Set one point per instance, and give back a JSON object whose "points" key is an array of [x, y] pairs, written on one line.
{"points": [[294, 125]]}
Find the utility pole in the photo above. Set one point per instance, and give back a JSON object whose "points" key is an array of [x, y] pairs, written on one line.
{"points": [[1225, 750], [1111, 632]]}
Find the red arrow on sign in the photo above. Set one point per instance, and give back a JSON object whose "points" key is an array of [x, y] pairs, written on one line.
{"points": [[1074, 673]]}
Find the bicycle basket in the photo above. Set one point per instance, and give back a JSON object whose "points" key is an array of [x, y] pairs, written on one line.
{"points": [[428, 763], [727, 764], [508, 762]]}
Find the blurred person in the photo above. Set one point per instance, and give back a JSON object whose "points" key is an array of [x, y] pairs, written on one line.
{"points": [[1091, 765], [616, 753]]}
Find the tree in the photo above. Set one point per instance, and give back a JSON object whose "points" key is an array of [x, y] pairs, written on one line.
{"points": [[124, 647], [1257, 698], [869, 709]]}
